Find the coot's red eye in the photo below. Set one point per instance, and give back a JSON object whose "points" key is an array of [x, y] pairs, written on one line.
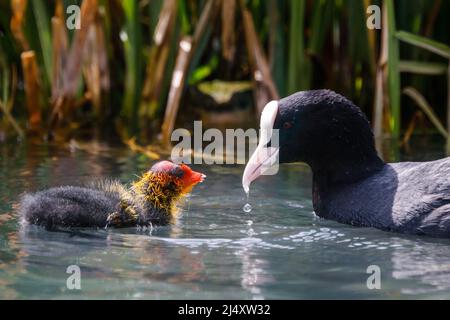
{"points": [[287, 125]]}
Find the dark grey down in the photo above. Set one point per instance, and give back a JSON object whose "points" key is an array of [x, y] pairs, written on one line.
{"points": [[69, 207], [79, 207], [408, 197]]}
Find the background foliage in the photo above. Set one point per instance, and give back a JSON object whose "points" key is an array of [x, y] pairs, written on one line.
{"points": [[133, 64]]}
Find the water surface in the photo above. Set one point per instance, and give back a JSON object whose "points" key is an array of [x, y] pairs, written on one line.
{"points": [[280, 250]]}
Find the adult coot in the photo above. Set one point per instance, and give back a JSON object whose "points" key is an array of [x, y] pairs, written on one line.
{"points": [[351, 184], [149, 201]]}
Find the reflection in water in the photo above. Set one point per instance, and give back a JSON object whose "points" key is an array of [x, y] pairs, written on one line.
{"points": [[97, 254], [279, 250], [427, 263], [253, 268]]}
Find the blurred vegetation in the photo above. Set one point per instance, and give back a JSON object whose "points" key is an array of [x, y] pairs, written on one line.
{"points": [[133, 65]]}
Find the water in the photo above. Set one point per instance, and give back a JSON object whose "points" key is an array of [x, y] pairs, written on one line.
{"points": [[279, 251]]}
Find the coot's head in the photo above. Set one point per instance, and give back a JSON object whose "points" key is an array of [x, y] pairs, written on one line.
{"points": [[321, 128], [160, 188], [179, 174]]}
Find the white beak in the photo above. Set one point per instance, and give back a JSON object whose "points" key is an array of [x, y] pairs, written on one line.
{"points": [[264, 161]]}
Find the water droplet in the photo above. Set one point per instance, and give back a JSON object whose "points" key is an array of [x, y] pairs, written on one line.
{"points": [[247, 207]]}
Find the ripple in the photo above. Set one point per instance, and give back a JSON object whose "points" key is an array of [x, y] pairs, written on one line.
{"points": [[295, 204], [215, 251]]}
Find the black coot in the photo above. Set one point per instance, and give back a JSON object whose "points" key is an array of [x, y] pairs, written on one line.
{"points": [[351, 184]]}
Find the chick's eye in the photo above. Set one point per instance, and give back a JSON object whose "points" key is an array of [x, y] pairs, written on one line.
{"points": [[177, 172], [287, 125]]}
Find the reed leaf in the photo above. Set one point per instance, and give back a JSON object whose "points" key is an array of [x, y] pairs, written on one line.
{"points": [[44, 33], [32, 88], [448, 108], [228, 29], [183, 15], [423, 104], [264, 87], [423, 68], [158, 59], [393, 69], [425, 43], [297, 58], [131, 37], [187, 46], [154, 10], [277, 43], [322, 17], [8, 85]]}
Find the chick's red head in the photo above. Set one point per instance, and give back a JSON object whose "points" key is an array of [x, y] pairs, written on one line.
{"points": [[180, 173]]}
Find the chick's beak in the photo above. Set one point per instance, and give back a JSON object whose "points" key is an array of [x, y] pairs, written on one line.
{"points": [[195, 177], [191, 177]]}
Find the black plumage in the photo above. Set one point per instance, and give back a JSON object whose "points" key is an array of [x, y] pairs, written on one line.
{"points": [[351, 184]]}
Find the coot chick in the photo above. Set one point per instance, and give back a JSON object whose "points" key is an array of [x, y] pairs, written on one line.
{"points": [[351, 184], [149, 201]]}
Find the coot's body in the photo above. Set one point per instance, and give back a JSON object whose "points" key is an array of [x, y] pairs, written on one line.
{"points": [[408, 197], [351, 184]]}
